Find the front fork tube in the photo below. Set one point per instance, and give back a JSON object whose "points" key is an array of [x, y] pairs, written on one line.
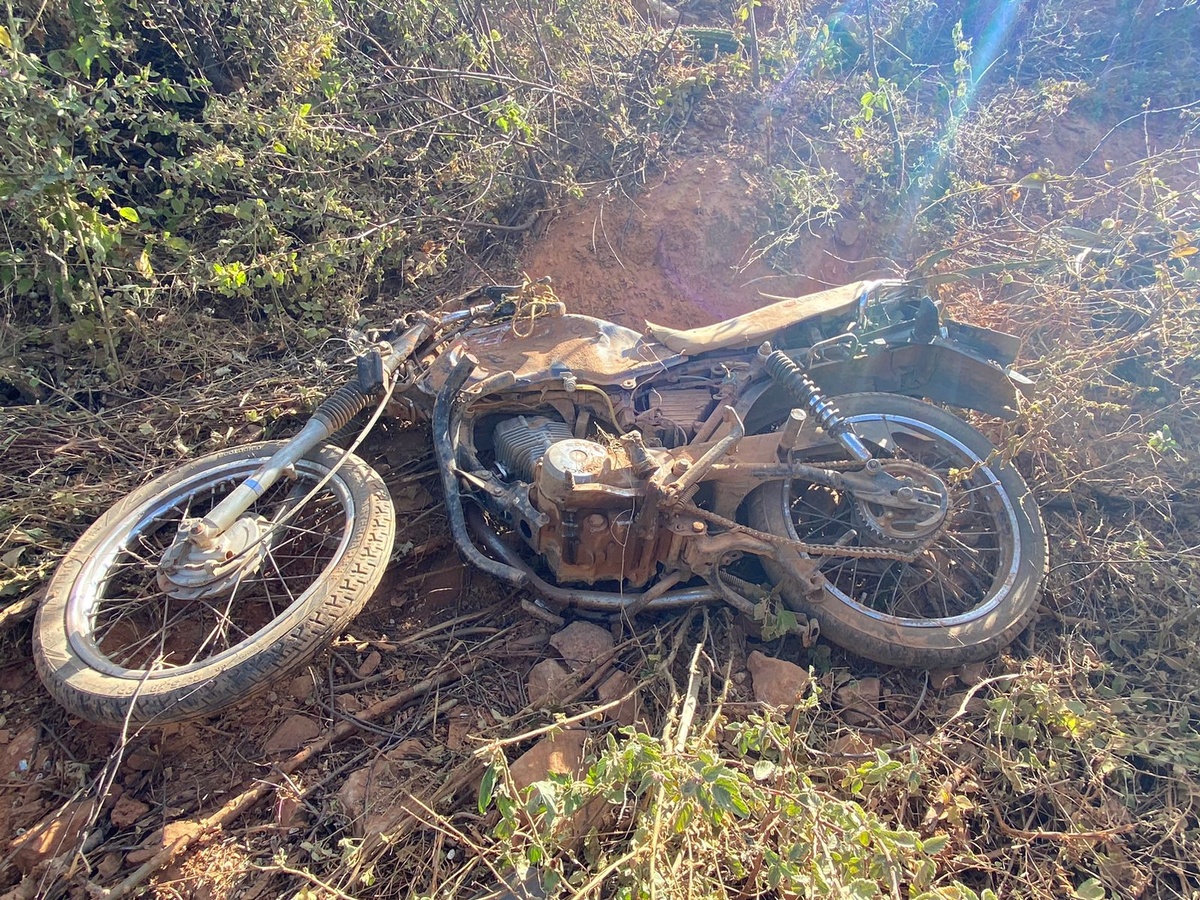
{"points": [[337, 410]]}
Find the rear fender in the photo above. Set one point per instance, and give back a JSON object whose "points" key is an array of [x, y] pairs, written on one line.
{"points": [[943, 371]]}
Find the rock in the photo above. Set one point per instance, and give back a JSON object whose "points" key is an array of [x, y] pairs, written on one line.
{"points": [[127, 811], [370, 664], [348, 704], [289, 808], [301, 688], [971, 705], [370, 798], [972, 673], [561, 754], [860, 699], [618, 685], [544, 680], [853, 744], [16, 756], [60, 832], [110, 865], [581, 644], [941, 679], [847, 232], [411, 748], [160, 840], [15, 678], [456, 729], [294, 733], [656, 12], [776, 682], [352, 795]]}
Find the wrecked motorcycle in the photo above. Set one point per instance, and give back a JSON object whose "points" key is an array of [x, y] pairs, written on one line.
{"points": [[785, 461]]}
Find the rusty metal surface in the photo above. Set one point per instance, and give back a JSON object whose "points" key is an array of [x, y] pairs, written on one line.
{"points": [[752, 328], [594, 351]]}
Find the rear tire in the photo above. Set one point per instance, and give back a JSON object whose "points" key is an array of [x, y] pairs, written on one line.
{"points": [[965, 597], [110, 645]]}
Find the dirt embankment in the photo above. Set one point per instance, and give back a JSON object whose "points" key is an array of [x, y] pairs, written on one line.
{"points": [[683, 252]]}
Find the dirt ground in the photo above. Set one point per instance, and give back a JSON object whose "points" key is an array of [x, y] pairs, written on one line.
{"points": [[681, 252]]}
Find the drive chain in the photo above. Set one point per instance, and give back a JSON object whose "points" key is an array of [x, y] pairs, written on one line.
{"points": [[806, 547]]}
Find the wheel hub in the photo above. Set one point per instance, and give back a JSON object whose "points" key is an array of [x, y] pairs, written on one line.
{"points": [[189, 572], [905, 526]]}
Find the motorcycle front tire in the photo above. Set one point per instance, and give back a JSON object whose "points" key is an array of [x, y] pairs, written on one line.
{"points": [[112, 647]]}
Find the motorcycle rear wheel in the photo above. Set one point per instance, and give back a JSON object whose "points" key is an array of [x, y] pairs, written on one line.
{"points": [[967, 595], [112, 646]]}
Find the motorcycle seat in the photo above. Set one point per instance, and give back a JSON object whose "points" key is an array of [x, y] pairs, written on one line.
{"points": [[752, 328]]}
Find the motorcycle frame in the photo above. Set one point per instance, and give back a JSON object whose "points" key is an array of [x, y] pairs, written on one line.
{"points": [[908, 354]]}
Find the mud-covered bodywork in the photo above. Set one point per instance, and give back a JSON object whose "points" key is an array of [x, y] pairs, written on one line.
{"points": [[592, 350]]}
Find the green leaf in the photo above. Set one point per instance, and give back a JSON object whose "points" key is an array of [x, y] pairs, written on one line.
{"points": [[1034, 180], [487, 787], [935, 844], [1091, 889], [763, 769], [305, 109], [129, 214]]}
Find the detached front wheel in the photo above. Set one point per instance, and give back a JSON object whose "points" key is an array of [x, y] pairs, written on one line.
{"points": [[972, 587], [114, 643]]}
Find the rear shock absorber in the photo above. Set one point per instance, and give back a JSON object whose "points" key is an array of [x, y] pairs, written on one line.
{"points": [[796, 382]]}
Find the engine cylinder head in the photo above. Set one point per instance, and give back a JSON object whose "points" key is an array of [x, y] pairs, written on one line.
{"points": [[521, 442], [569, 463]]}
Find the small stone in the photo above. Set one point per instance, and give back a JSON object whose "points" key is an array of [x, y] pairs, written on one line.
{"points": [[618, 685], [294, 733], [456, 730], [289, 808], [561, 754], [127, 811], [142, 759], [544, 679], [581, 644], [352, 795], [19, 749], [160, 840], [860, 699], [966, 702], [853, 744], [847, 232], [301, 688], [110, 865], [971, 674], [368, 798], [776, 682], [15, 678], [60, 832], [370, 664], [411, 748], [941, 679]]}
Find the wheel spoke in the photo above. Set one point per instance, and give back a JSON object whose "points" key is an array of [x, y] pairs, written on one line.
{"points": [[135, 624], [954, 575]]}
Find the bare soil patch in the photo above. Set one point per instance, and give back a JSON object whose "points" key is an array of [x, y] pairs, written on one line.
{"points": [[680, 252]]}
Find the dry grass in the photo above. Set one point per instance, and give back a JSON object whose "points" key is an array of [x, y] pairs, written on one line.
{"points": [[1065, 767]]}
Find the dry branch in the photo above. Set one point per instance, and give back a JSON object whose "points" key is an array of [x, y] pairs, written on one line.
{"points": [[192, 830]]}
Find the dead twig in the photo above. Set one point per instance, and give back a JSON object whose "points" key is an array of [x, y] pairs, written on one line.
{"points": [[195, 830]]}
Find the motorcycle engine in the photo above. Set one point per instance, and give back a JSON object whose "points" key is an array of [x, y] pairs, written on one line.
{"points": [[588, 492]]}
